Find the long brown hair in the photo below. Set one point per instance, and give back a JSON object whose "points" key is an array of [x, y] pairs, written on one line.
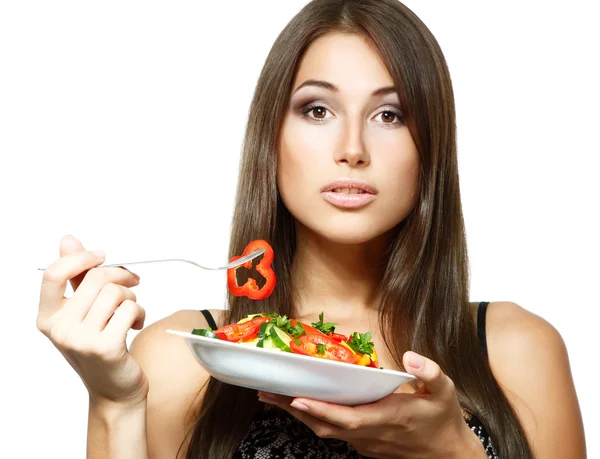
{"points": [[424, 290]]}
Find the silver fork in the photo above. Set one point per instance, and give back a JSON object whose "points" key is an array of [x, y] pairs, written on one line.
{"points": [[240, 261]]}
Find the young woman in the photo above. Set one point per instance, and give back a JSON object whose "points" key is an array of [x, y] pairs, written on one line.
{"points": [[349, 170]]}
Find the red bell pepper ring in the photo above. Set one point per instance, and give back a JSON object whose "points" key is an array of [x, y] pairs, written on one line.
{"points": [[333, 351], [250, 288], [244, 332]]}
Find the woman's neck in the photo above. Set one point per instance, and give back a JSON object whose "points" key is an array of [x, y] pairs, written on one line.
{"points": [[339, 278]]}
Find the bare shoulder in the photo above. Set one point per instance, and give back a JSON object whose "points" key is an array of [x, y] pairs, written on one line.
{"points": [[529, 359], [517, 337], [175, 378]]}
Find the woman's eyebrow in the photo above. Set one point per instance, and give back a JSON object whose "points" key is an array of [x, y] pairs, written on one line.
{"points": [[331, 87]]}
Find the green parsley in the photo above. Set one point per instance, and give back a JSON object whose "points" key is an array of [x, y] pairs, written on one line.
{"points": [[325, 327], [361, 343], [321, 348], [286, 325]]}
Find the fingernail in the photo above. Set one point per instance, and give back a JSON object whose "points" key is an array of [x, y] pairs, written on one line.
{"points": [[415, 360], [129, 271], [266, 399], [98, 253], [299, 406]]}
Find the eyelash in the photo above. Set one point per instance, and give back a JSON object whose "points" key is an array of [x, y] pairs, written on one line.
{"points": [[310, 107]]}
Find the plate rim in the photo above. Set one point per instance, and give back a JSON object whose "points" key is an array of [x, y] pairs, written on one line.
{"points": [[189, 335]]}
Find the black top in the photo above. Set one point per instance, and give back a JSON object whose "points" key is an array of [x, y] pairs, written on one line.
{"points": [[481, 310], [209, 318], [276, 434]]}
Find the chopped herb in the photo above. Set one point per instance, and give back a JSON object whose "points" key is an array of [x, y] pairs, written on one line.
{"points": [[264, 314], [361, 343], [282, 321], [286, 325], [321, 348], [298, 330], [325, 327]]}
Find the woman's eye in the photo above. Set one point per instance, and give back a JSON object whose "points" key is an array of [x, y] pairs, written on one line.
{"points": [[319, 113], [389, 116], [315, 112]]}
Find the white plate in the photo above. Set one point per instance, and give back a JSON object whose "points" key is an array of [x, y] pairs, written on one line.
{"points": [[292, 374]]}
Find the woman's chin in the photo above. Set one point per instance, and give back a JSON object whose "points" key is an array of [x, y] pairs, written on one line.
{"points": [[350, 239], [349, 235], [344, 229]]}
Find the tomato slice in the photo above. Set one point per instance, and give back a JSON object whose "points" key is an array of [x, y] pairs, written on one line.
{"points": [[307, 328], [333, 351], [313, 331], [245, 331], [298, 349], [339, 338], [221, 335], [339, 353]]}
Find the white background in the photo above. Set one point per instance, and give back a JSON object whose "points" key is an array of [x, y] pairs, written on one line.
{"points": [[121, 123]]}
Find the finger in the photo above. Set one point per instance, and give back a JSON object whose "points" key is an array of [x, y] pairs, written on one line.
{"points": [[321, 428], [105, 304], [434, 379], [357, 417], [128, 314], [54, 281], [69, 245], [275, 397], [80, 303], [345, 417]]}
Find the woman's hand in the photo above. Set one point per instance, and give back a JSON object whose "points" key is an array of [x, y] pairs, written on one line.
{"points": [[427, 424], [90, 328]]}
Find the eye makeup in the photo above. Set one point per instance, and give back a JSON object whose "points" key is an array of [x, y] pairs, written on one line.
{"points": [[305, 111]]}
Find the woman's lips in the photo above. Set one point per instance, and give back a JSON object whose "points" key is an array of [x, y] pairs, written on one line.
{"points": [[347, 200]]}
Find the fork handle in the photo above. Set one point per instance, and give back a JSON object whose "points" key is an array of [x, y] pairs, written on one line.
{"points": [[152, 261], [146, 261], [240, 261]]}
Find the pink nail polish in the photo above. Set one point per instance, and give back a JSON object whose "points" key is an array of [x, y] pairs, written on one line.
{"points": [[266, 399], [415, 361], [299, 406]]}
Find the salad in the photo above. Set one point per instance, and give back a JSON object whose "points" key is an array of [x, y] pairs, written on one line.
{"points": [[274, 332]]}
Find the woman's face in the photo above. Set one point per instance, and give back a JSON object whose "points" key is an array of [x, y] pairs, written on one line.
{"points": [[342, 128]]}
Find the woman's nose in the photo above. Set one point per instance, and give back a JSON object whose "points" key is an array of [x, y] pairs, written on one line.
{"points": [[352, 149]]}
